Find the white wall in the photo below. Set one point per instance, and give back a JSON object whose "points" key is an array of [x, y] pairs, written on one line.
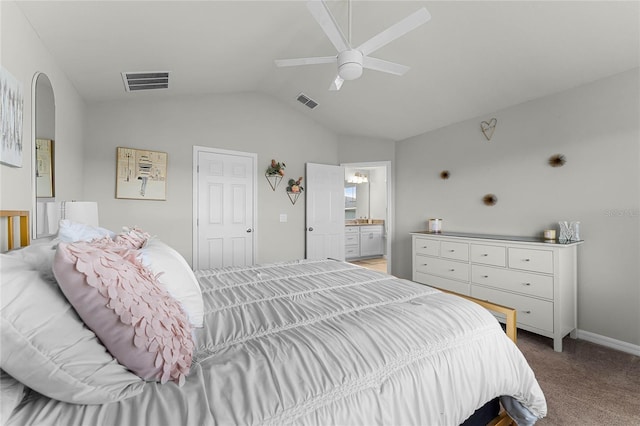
{"points": [[597, 128], [23, 55], [361, 149], [241, 122]]}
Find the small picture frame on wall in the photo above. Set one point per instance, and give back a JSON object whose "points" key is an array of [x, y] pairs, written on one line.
{"points": [[141, 174]]}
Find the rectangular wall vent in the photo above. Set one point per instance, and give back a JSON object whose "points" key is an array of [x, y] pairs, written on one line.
{"points": [[305, 100], [134, 81]]}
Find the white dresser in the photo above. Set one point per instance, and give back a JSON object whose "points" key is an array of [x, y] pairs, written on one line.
{"points": [[537, 278]]}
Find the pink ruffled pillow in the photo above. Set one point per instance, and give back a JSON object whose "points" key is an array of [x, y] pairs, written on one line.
{"points": [[134, 238], [142, 326]]}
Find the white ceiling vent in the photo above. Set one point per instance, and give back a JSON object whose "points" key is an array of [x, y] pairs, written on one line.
{"points": [[150, 80], [305, 100]]}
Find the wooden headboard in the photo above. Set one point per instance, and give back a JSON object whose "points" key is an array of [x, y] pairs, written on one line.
{"points": [[24, 226]]}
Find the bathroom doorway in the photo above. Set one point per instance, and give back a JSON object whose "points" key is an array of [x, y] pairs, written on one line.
{"points": [[369, 214]]}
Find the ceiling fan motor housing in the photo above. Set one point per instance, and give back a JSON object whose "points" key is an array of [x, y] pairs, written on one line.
{"points": [[350, 64]]}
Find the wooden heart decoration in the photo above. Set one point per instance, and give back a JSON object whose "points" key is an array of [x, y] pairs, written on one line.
{"points": [[488, 128]]}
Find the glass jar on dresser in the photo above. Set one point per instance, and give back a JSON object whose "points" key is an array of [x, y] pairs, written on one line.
{"points": [[538, 278]]}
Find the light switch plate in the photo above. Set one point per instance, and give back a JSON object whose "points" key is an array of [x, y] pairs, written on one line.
{"points": [[283, 217]]}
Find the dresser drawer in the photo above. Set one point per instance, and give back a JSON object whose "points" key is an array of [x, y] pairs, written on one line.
{"points": [[489, 255], [427, 246], [531, 260], [457, 251], [443, 283], [532, 312], [516, 281], [442, 267]]}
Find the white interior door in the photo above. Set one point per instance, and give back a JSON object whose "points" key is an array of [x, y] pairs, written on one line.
{"points": [[224, 230], [325, 211]]}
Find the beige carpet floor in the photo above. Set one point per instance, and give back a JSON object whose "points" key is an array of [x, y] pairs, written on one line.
{"points": [[586, 384]]}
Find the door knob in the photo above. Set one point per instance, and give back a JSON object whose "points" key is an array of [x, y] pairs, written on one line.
{"points": [[249, 229], [310, 228]]}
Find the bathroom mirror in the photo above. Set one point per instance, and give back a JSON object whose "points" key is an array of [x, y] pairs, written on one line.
{"points": [[43, 135], [356, 194]]}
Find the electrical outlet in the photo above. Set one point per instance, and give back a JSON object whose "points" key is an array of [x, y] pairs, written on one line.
{"points": [[283, 217]]}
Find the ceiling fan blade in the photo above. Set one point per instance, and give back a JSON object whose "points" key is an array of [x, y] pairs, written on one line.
{"points": [[399, 29], [306, 61], [384, 66], [321, 14], [336, 84]]}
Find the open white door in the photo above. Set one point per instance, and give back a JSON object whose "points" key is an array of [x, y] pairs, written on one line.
{"points": [[325, 211], [224, 206]]}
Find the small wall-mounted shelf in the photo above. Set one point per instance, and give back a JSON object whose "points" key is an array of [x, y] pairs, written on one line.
{"points": [[293, 196], [274, 180]]}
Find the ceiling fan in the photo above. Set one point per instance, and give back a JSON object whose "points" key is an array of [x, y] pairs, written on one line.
{"points": [[351, 61]]}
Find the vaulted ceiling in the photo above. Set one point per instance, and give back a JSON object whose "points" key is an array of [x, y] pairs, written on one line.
{"points": [[470, 59]]}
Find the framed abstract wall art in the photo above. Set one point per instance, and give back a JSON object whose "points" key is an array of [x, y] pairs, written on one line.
{"points": [[141, 174], [12, 103]]}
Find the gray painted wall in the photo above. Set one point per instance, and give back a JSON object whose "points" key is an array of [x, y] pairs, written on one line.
{"points": [[360, 149], [597, 128], [241, 122], [23, 55]]}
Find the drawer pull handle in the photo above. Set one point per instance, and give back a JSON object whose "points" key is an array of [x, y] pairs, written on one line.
{"points": [[526, 284], [451, 251], [526, 312], [452, 270], [424, 264], [526, 260], [424, 246], [485, 276], [484, 254]]}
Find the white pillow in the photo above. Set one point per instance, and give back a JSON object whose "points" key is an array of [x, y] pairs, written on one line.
{"points": [[70, 232], [46, 346], [177, 277]]}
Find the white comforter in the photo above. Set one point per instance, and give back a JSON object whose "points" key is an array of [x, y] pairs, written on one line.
{"points": [[324, 342]]}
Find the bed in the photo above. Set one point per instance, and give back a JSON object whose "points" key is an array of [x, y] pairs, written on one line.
{"points": [[303, 342]]}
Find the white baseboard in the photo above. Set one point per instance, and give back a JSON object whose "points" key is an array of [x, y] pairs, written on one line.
{"points": [[609, 342]]}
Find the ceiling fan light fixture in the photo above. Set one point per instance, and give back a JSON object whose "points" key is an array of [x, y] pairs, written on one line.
{"points": [[350, 71], [350, 64]]}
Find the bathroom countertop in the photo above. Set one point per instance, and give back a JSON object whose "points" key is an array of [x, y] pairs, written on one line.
{"points": [[363, 222]]}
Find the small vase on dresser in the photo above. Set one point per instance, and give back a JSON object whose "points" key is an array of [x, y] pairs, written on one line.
{"points": [[536, 277]]}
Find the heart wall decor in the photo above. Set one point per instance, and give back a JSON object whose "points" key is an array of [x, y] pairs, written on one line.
{"points": [[488, 128]]}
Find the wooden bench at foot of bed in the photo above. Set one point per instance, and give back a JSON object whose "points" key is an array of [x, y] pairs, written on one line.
{"points": [[503, 418]]}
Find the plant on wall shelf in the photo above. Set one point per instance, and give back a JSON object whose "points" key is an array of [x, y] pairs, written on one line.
{"points": [[294, 189], [275, 173], [294, 185], [276, 168]]}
